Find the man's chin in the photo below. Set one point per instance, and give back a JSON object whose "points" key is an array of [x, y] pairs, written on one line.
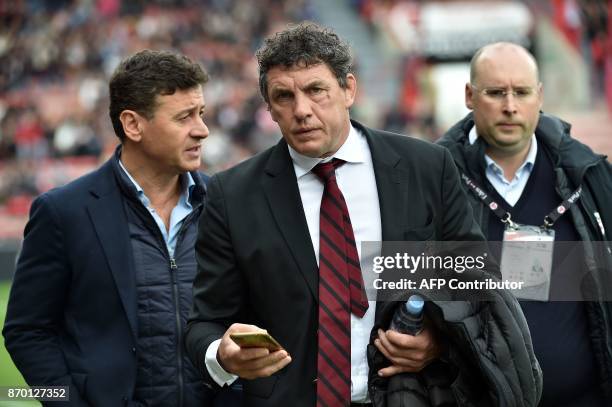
{"points": [[309, 150], [508, 138], [191, 167]]}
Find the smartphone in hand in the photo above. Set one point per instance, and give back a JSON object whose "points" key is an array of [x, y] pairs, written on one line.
{"points": [[256, 340]]}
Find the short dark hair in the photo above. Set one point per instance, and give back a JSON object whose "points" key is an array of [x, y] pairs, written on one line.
{"points": [[308, 44], [141, 77]]}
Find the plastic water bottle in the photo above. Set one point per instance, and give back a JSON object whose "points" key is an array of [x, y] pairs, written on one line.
{"points": [[408, 319]]}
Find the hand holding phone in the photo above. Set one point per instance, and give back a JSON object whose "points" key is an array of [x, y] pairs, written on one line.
{"points": [[250, 352]]}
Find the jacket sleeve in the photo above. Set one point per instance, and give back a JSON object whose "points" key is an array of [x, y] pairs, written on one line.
{"points": [[600, 185], [34, 318], [218, 290]]}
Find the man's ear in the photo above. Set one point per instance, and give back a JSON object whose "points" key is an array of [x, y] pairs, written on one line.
{"points": [[469, 94], [351, 90], [132, 126]]}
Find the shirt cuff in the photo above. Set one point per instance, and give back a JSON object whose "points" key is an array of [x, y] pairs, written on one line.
{"points": [[218, 374]]}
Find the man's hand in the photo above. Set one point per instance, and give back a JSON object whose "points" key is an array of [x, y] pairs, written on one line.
{"points": [[249, 363], [407, 353]]}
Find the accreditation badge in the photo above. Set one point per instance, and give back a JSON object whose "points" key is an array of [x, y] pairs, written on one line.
{"points": [[527, 255]]}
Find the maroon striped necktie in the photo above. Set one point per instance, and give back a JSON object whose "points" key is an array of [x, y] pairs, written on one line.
{"points": [[341, 291]]}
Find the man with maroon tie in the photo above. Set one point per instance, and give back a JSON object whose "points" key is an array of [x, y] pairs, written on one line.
{"points": [[279, 240]]}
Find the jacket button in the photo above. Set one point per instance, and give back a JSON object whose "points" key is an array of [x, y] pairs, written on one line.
{"points": [[133, 350]]}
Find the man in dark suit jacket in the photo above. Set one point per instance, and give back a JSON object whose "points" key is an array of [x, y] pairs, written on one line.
{"points": [[103, 283], [258, 246]]}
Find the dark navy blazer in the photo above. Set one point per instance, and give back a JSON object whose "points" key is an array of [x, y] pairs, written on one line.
{"points": [[71, 317]]}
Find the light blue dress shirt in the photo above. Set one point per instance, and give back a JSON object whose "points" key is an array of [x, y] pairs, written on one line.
{"points": [[182, 209]]}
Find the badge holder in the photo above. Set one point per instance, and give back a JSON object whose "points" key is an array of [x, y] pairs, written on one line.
{"points": [[527, 255], [527, 251]]}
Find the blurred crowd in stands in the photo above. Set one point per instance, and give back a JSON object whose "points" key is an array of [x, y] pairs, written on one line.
{"points": [[586, 25], [56, 57]]}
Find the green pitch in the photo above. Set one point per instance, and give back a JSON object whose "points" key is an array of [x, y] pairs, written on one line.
{"points": [[9, 375]]}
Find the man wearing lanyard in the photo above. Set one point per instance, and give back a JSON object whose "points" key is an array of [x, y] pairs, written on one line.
{"points": [[526, 176]]}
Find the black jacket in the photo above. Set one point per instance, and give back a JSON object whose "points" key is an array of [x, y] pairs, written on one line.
{"points": [[574, 165], [489, 359], [256, 260]]}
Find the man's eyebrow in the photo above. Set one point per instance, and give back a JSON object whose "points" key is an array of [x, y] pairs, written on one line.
{"points": [[278, 86], [276, 89], [316, 83], [189, 109]]}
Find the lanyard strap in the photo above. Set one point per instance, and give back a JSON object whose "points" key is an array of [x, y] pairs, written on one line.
{"points": [[556, 213], [504, 215]]}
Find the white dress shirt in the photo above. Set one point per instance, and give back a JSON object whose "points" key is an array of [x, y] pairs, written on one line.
{"points": [[357, 182], [511, 190]]}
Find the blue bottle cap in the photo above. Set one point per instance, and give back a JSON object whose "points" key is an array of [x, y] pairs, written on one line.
{"points": [[415, 304]]}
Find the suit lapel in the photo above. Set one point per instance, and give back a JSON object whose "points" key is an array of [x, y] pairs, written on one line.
{"points": [[283, 195], [108, 217], [391, 184]]}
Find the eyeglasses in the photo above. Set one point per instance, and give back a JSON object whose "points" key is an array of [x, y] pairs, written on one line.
{"points": [[499, 94]]}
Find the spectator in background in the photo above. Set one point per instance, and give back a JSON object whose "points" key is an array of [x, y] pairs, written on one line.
{"points": [[528, 163], [29, 138], [595, 24], [585, 25], [103, 282]]}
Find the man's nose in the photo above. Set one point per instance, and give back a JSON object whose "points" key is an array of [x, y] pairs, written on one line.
{"points": [[509, 103], [200, 130], [302, 108]]}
